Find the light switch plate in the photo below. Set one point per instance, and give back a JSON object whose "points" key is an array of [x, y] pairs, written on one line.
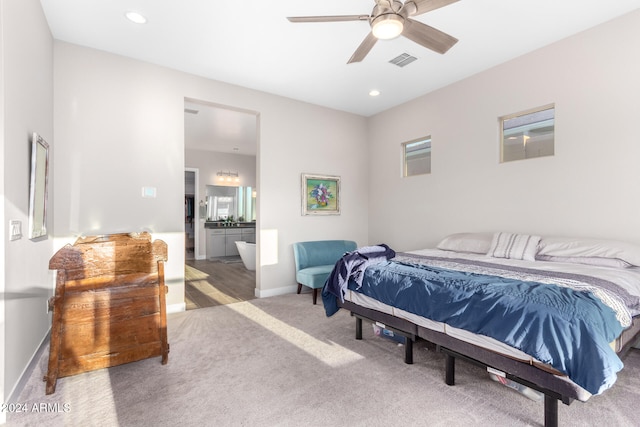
{"points": [[15, 229], [149, 192]]}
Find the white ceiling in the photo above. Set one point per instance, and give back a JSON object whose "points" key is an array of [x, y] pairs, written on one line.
{"points": [[214, 128], [251, 43]]}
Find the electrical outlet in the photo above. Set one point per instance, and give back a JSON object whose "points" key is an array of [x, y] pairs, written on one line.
{"points": [[15, 229]]}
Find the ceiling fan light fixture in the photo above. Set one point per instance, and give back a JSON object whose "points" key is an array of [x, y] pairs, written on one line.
{"points": [[388, 26]]}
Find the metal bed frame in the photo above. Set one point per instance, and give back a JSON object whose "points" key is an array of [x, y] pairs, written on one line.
{"points": [[554, 388]]}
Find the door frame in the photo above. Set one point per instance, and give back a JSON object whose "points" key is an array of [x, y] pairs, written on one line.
{"points": [[196, 216]]}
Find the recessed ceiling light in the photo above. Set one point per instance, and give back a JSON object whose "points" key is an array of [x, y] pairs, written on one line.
{"points": [[136, 17], [374, 93]]}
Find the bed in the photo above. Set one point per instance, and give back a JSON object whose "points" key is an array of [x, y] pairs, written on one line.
{"points": [[553, 314]]}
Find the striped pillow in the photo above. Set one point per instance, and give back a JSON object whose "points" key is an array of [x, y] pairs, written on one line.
{"points": [[514, 246]]}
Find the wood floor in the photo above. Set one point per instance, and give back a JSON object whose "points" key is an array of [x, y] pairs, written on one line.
{"points": [[210, 283]]}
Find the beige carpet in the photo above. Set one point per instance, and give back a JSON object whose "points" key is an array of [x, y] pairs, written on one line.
{"points": [[280, 362]]}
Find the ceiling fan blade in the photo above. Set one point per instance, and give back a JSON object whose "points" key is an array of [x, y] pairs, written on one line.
{"points": [[424, 6], [363, 49], [427, 36], [338, 18]]}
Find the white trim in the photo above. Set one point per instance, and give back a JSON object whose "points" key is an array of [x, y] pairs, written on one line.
{"points": [[196, 209], [176, 308], [28, 370], [259, 293]]}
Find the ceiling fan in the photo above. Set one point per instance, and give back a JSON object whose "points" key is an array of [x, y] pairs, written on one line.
{"points": [[392, 18]]}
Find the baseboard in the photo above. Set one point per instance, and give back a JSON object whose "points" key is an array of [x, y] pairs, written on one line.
{"points": [[26, 373], [176, 308], [260, 293]]}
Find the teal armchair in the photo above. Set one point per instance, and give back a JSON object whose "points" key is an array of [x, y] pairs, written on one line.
{"points": [[315, 261]]}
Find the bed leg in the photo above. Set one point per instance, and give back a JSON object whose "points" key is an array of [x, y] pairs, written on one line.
{"points": [[358, 328], [550, 411], [450, 369], [408, 351]]}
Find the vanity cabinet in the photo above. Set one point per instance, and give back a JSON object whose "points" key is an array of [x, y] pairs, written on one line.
{"points": [[249, 235], [233, 234], [222, 241], [216, 246]]}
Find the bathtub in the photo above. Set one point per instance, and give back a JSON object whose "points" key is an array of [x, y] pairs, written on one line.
{"points": [[248, 254]]}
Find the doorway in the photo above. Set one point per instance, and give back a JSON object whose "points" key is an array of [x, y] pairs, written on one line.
{"points": [[191, 213], [220, 151]]}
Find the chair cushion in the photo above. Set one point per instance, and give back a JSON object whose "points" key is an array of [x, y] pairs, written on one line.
{"points": [[314, 277]]}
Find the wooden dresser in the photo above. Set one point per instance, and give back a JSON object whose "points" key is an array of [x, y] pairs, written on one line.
{"points": [[109, 304]]}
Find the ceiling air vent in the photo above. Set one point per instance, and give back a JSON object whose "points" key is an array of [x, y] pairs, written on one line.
{"points": [[402, 60]]}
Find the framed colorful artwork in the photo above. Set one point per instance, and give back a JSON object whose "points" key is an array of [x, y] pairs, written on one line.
{"points": [[320, 194]]}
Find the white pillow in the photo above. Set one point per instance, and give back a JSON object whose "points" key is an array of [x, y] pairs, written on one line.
{"points": [[587, 260], [475, 243], [514, 246], [575, 247]]}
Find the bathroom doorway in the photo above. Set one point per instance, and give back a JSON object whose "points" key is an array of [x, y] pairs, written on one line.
{"points": [[220, 153]]}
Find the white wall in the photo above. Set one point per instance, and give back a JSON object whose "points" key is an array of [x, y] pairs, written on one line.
{"points": [[209, 163], [27, 106], [119, 124], [590, 186]]}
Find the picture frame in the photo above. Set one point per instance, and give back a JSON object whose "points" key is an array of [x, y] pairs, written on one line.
{"points": [[320, 194]]}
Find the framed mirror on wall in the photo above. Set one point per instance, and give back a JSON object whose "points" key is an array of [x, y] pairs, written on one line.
{"points": [[38, 188], [233, 203]]}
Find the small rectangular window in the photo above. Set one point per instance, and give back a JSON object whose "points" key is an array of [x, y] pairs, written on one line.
{"points": [[528, 134], [416, 157]]}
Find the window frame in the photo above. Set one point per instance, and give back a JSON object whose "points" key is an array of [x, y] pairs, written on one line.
{"points": [[520, 114], [405, 160]]}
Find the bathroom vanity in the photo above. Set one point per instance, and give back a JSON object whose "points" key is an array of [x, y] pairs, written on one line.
{"points": [[230, 213], [221, 238]]}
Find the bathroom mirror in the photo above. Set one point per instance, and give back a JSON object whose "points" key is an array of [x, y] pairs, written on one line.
{"points": [[225, 202], [247, 204], [38, 187]]}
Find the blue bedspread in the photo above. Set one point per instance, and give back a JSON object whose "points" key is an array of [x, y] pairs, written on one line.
{"points": [[568, 329]]}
